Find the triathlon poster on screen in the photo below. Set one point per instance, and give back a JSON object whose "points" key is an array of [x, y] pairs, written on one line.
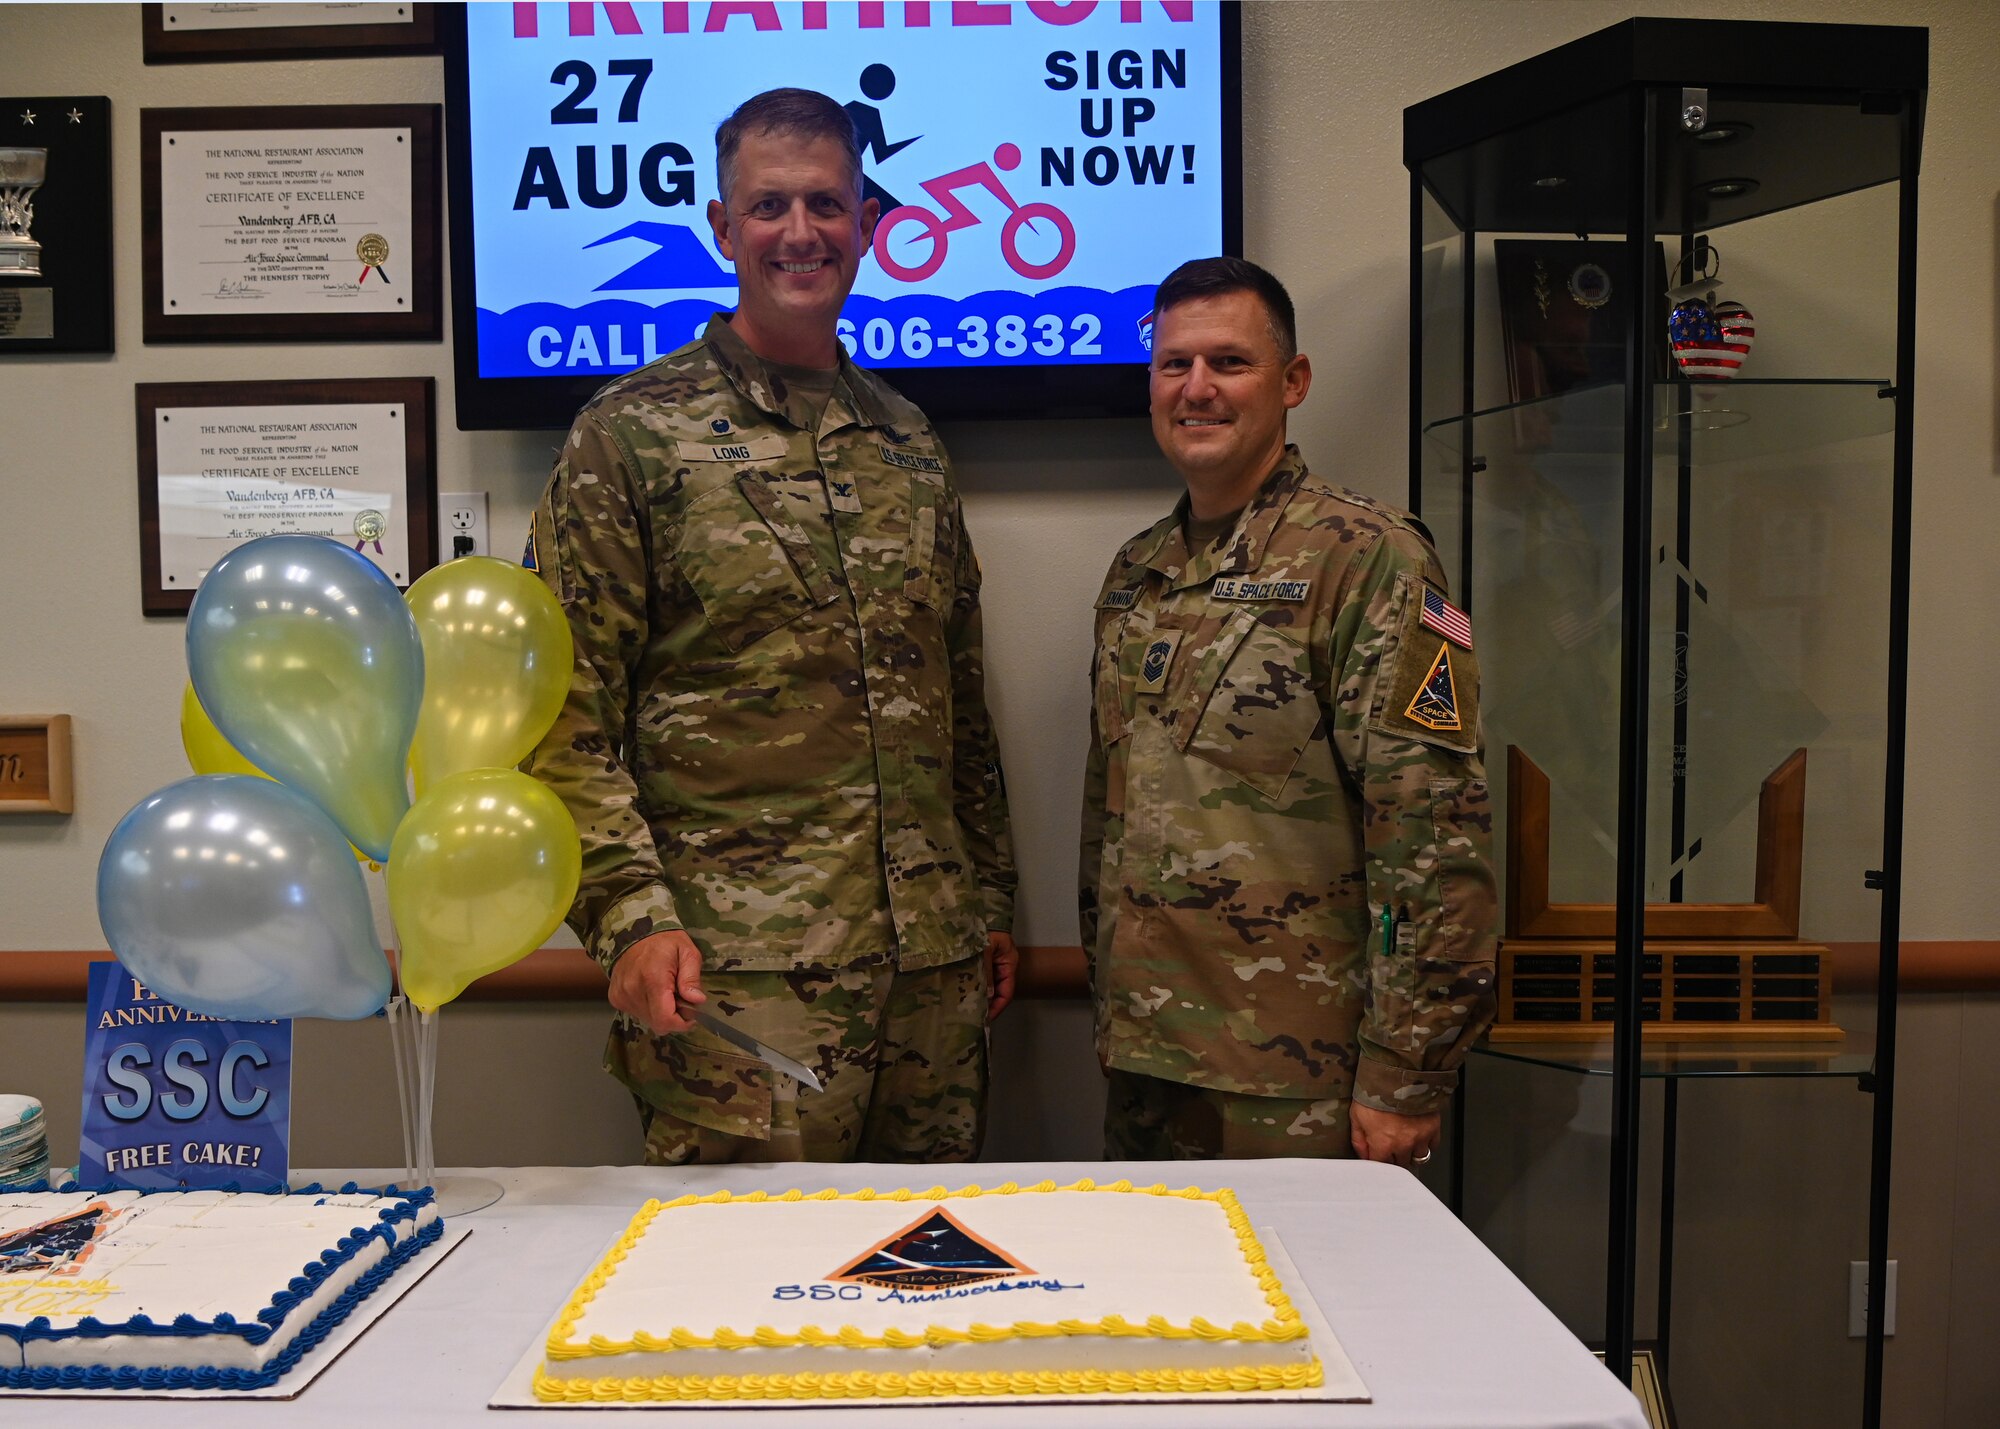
{"points": [[1040, 166]]}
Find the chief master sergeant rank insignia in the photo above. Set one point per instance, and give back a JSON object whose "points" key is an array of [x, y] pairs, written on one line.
{"points": [[1159, 658]]}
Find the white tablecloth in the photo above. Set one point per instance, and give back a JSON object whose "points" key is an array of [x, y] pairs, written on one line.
{"points": [[1443, 1334]]}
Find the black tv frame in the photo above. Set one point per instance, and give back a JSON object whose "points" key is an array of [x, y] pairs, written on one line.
{"points": [[1106, 389]]}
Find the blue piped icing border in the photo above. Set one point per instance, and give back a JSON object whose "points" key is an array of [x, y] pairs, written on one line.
{"points": [[408, 1205], [209, 1377]]}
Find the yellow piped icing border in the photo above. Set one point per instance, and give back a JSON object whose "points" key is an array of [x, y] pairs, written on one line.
{"points": [[1285, 1324], [863, 1384]]}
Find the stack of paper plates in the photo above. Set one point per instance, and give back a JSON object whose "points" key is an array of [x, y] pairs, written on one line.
{"points": [[24, 1142]]}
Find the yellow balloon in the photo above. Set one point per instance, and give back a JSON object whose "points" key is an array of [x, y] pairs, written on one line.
{"points": [[483, 868], [208, 752], [497, 659]]}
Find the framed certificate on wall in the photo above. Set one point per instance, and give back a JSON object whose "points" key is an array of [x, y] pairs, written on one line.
{"points": [[309, 223], [176, 34], [222, 463]]}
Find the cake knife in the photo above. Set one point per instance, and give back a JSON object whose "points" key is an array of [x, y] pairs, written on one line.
{"points": [[771, 1057]]}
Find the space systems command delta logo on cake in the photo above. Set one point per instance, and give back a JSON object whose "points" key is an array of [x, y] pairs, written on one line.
{"points": [[933, 1252], [54, 1247]]}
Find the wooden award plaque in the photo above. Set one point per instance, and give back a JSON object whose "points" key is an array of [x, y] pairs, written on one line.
{"points": [[34, 765], [1711, 970]]}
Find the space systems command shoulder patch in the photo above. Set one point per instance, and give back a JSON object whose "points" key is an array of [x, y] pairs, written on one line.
{"points": [[1435, 704], [1433, 678]]}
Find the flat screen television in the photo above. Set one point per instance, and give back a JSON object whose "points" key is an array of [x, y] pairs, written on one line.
{"points": [[1040, 166]]}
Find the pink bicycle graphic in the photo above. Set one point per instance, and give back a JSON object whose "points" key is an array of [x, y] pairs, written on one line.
{"points": [[943, 189]]}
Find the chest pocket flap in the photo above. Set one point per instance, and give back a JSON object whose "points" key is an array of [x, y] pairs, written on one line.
{"points": [[1253, 687], [750, 563], [933, 553], [1114, 720]]}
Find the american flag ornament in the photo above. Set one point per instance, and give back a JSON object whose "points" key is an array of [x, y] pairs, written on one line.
{"points": [[1446, 619], [1709, 341], [1738, 328]]}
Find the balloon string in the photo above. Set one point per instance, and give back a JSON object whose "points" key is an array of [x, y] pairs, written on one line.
{"points": [[414, 1033], [400, 1033], [423, 1143], [401, 1044], [427, 1082], [393, 1010]]}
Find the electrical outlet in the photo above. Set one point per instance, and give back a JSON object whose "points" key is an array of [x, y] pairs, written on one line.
{"points": [[462, 525], [1857, 1299]]}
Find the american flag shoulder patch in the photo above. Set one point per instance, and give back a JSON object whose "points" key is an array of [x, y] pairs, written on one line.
{"points": [[1447, 619]]}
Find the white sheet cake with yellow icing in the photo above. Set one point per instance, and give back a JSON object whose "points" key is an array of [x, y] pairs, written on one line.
{"points": [[1012, 1290]]}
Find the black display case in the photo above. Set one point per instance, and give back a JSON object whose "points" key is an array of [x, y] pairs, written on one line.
{"points": [[1679, 579]]}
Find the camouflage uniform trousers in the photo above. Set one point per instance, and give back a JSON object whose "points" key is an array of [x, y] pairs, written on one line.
{"points": [[1153, 1119], [901, 1055]]}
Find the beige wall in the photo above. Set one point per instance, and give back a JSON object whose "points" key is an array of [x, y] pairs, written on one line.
{"points": [[1773, 1176]]}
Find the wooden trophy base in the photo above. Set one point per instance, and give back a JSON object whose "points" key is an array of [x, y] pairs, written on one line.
{"points": [[1560, 990], [1712, 971]]}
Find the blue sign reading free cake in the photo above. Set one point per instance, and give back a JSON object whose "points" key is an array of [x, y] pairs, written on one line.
{"points": [[173, 1100]]}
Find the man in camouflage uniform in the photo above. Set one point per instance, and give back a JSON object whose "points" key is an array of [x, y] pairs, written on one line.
{"points": [[1286, 880], [776, 742]]}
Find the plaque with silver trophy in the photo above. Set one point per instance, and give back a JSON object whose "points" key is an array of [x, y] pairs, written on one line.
{"points": [[21, 173], [55, 224]]}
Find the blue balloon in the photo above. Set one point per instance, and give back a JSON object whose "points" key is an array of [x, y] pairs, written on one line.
{"points": [[236, 897], [306, 657]]}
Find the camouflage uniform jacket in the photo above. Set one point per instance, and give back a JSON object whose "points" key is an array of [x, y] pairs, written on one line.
{"points": [[1281, 749], [776, 736]]}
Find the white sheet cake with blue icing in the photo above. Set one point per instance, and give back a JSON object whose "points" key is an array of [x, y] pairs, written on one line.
{"points": [[189, 1289]]}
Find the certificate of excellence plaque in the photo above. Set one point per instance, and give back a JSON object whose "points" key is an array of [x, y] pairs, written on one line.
{"points": [[315, 221], [296, 29], [232, 474], [220, 464], [306, 223], [264, 17]]}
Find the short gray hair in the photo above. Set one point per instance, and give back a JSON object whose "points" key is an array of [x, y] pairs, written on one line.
{"points": [[799, 113]]}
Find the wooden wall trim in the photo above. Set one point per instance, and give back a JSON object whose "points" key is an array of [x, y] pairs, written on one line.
{"points": [[1939, 966], [1052, 971], [545, 975]]}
